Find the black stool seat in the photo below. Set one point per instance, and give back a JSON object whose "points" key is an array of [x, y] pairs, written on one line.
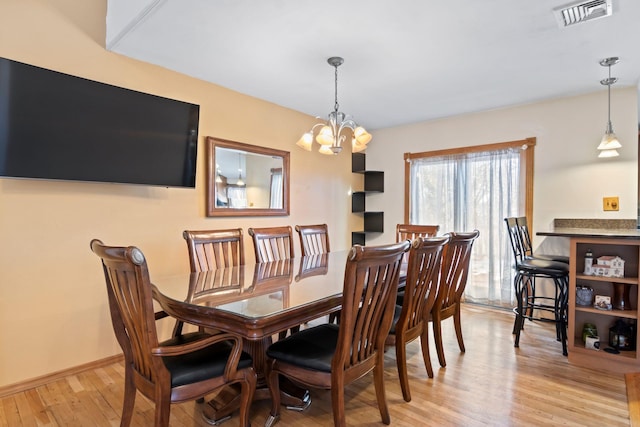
{"points": [[542, 266], [546, 257]]}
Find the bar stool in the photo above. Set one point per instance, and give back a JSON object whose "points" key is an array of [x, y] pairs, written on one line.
{"points": [[528, 270]]}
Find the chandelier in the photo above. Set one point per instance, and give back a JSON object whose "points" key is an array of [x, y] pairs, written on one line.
{"points": [[334, 131], [609, 145]]}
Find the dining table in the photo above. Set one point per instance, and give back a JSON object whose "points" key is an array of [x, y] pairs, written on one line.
{"points": [[255, 301]]}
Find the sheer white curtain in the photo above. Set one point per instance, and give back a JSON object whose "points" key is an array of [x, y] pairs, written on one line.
{"points": [[462, 192], [275, 199], [237, 197]]}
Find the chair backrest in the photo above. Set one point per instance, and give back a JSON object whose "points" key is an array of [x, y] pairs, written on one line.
{"points": [[314, 239], [455, 268], [212, 249], [368, 300], [525, 237], [513, 230], [411, 231], [131, 306], [423, 275], [272, 243]]}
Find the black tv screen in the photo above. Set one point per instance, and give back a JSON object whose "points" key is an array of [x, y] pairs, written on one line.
{"points": [[58, 126]]}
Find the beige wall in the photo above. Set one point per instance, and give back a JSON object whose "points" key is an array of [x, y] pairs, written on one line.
{"points": [[52, 294], [569, 179]]}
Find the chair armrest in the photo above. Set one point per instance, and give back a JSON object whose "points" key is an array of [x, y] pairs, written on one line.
{"points": [[161, 314], [234, 356]]}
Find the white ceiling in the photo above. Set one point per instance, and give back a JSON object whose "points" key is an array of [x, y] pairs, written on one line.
{"points": [[405, 60]]}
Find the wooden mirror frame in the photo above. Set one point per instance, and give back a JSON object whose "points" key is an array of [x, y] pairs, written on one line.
{"points": [[212, 209]]}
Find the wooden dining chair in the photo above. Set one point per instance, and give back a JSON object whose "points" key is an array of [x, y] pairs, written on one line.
{"points": [[329, 356], [411, 231], [212, 249], [187, 367], [411, 319], [272, 243], [314, 239], [453, 280]]}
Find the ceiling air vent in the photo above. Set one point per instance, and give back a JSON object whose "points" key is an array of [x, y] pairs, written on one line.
{"points": [[582, 12]]}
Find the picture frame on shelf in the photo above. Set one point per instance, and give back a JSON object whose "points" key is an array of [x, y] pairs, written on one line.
{"points": [[602, 302]]}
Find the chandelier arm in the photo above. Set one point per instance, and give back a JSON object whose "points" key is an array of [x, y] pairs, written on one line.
{"points": [[313, 128], [347, 124]]}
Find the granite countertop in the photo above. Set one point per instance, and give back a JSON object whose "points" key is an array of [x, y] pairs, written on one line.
{"points": [[593, 227], [624, 233]]}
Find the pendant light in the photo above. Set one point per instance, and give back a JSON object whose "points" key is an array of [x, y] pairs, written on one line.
{"points": [[609, 145], [240, 182]]}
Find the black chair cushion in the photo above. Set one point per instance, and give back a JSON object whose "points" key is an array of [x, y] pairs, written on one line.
{"points": [[200, 365], [396, 317], [547, 257], [540, 266], [311, 348], [400, 298]]}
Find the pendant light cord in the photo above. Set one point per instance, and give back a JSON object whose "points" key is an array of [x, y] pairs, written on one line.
{"points": [[336, 106], [609, 98]]}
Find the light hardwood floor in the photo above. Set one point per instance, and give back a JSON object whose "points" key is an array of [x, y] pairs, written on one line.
{"points": [[492, 384]]}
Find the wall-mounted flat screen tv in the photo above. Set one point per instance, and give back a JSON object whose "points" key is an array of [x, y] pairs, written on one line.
{"points": [[57, 126]]}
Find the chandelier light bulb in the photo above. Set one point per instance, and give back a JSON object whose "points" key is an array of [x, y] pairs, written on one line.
{"points": [[305, 141], [325, 136], [326, 149], [361, 135], [356, 146]]}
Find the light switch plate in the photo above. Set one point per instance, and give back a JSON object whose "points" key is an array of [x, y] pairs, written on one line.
{"points": [[610, 204]]}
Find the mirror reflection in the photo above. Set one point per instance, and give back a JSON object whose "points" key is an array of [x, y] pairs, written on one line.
{"points": [[246, 180]]}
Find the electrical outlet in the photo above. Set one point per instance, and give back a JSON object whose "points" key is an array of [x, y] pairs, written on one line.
{"points": [[610, 204]]}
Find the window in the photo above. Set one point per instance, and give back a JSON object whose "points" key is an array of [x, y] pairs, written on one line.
{"points": [[474, 187]]}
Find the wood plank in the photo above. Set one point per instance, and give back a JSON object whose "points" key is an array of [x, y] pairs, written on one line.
{"points": [[632, 381]]}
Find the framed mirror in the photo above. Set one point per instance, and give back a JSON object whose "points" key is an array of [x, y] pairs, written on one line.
{"points": [[246, 180]]}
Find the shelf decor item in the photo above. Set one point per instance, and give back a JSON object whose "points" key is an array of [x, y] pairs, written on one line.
{"points": [[588, 262], [584, 295], [589, 330], [621, 335], [603, 302], [608, 266], [592, 343], [621, 296]]}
